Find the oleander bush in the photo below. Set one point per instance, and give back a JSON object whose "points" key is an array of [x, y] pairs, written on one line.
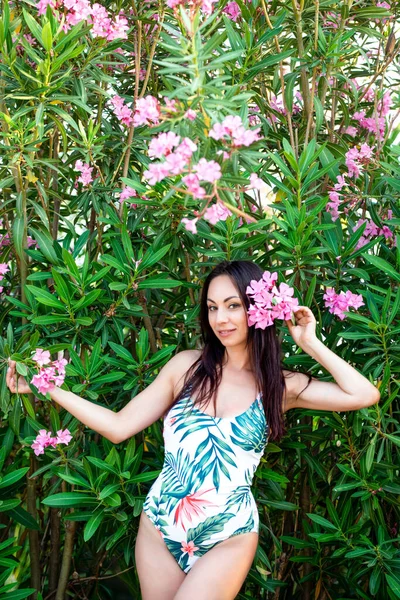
{"points": [[141, 144]]}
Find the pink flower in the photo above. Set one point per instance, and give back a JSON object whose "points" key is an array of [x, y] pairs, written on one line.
{"points": [[255, 182], [43, 4], [190, 224], [186, 148], [63, 436], [208, 170], [217, 212], [232, 10], [190, 114], [121, 111], [192, 182], [176, 163], [350, 130], [270, 302], [45, 439], [147, 111], [163, 144], [189, 547], [4, 268], [156, 172], [41, 357], [86, 172], [338, 303], [126, 193]]}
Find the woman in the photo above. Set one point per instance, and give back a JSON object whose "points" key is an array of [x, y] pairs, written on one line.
{"points": [[198, 531]]}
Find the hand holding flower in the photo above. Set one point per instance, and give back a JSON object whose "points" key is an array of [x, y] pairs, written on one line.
{"points": [[303, 332]]}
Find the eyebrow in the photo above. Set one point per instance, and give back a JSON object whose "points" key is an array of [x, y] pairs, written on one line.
{"points": [[229, 298]]}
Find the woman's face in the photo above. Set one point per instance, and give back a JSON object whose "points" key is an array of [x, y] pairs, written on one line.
{"points": [[227, 314]]}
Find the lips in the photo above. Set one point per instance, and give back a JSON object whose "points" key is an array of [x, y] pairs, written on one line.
{"points": [[225, 332]]}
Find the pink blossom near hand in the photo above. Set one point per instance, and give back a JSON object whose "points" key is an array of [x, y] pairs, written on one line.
{"points": [[190, 114], [147, 111], [217, 212], [190, 224], [270, 301], [208, 170], [232, 10], [189, 547], [338, 303], [127, 192], [49, 377], [41, 357], [86, 172]]}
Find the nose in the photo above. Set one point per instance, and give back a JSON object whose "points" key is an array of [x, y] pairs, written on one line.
{"points": [[222, 316]]}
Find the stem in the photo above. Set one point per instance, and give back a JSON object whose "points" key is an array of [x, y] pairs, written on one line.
{"points": [[70, 528]]}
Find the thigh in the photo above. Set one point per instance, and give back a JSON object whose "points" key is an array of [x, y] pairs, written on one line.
{"points": [[160, 576], [219, 574]]}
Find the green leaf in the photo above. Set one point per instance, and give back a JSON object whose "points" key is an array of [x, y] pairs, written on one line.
{"points": [[158, 283], [67, 499], [93, 524], [86, 300], [382, 265], [321, 521], [46, 246], [12, 478], [45, 297], [6, 505], [47, 36], [33, 26]]}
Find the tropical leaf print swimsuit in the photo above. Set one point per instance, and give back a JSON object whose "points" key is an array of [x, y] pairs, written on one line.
{"points": [[202, 495]]}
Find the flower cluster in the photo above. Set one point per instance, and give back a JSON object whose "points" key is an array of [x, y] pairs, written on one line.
{"points": [[4, 268], [270, 302], [76, 11], [147, 111], [45, 439], [356, 159], [338, 303], [85, 172], [123, 113], [372, 230], [50, 376], [232, 129]]}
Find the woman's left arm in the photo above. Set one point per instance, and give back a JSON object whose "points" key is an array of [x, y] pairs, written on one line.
{"points": [[351, 391]]}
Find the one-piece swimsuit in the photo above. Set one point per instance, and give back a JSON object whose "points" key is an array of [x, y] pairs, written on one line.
{"points": [[202, 495]]}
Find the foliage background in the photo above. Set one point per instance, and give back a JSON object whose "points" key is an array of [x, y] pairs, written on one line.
{"points": [[329, 493]]}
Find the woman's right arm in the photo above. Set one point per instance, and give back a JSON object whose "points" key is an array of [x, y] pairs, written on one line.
{"points": [[141, 412]]}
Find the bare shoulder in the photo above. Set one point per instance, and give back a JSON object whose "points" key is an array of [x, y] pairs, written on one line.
{"points": [[180, 363]]}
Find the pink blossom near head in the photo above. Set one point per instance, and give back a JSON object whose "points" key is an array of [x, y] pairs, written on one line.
{"points": [[270, 301]]}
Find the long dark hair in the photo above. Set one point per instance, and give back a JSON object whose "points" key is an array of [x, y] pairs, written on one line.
{"points": [[205, 373]]}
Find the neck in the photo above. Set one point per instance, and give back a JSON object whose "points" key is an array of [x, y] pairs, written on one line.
{"points": [[237, 359]]}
